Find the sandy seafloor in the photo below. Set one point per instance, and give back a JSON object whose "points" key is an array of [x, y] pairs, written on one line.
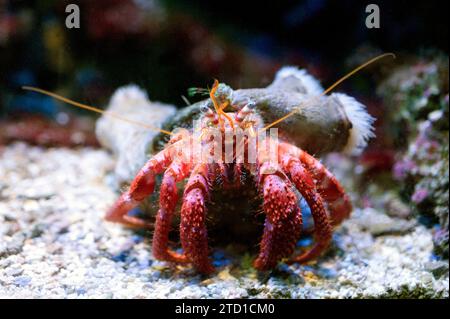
{"points": [[54, 243]]}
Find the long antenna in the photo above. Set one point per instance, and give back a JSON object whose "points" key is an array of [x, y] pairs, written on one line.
{"points": [[342, 79], [217, 107], [93, 109]]}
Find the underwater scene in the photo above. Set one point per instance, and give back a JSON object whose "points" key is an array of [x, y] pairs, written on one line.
{"points": [[171, 149]]}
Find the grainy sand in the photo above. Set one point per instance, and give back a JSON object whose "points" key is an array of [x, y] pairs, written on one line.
{"points": [[55, 244]]}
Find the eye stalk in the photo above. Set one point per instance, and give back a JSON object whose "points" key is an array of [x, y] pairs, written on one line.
{"points": [[206, 107], [218, 104], [246, 110], [251, 105], [207, 110]]}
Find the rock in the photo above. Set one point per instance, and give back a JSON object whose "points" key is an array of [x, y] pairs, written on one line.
{"points": [[129, 142], [437, 268], [397, 208], [378, 224], [440, 240], [12, 245], [13, 271], [22, 281]]}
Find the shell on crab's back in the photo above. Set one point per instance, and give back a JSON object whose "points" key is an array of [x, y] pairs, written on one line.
{"points": [[318, 128]]}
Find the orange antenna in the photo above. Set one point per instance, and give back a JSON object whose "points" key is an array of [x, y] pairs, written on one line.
{"points": [[213, 97], [219, 109], [93, 109], [228, 118], [329, 89]]}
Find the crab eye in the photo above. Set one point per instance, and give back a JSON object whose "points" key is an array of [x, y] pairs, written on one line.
{"points": [[251, 105], [205, 108]]}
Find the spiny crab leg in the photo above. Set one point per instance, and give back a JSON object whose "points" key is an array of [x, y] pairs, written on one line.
{"points": [[168, 199], [141, 187], [337, 201], [283, 217], [305, 185], [193, 233]]}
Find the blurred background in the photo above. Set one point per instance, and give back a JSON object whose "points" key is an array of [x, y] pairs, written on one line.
{"points": [[168, 46]]}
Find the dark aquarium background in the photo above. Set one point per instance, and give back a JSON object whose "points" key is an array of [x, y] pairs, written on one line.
{"points": [[168, 46]]}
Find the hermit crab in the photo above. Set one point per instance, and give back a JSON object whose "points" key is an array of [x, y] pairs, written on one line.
{"points": [[227, 148]]}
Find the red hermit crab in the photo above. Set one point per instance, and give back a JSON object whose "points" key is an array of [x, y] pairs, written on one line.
{"points": [[227, 142]]}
